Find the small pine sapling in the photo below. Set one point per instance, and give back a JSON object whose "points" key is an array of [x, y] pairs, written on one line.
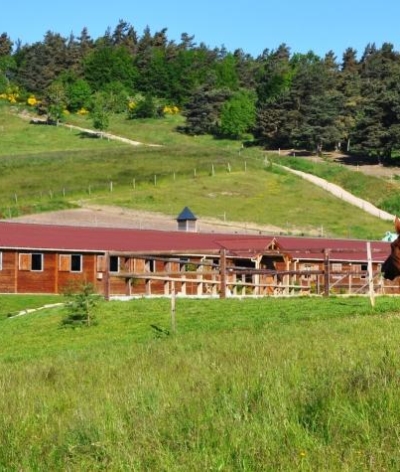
{"points": [[81, 304]]}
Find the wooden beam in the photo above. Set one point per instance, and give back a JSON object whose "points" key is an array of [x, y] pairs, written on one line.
{"points": [[173, 308], [223, 273], [326, 273], [16, 263], [106, 277], [370, 276]]}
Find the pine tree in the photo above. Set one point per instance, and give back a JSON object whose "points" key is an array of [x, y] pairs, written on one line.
{"points": [[377, 131], [81, 305]]}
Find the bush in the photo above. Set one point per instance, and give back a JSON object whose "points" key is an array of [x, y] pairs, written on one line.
{"points": [[144, 108], [82, 300]]}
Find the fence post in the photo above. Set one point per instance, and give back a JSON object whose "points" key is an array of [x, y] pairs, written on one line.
{"points": [[326, 273], [106, 278], [370, 275], [173, 308], [222, 271]]}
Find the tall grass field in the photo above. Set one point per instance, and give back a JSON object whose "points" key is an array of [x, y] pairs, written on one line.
{"points": [[310, 384]]}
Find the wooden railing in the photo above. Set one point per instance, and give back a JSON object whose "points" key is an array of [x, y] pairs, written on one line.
{"points": [[237, 283]]}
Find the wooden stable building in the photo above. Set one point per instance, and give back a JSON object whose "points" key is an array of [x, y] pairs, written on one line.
{"points": [[37, 258]]}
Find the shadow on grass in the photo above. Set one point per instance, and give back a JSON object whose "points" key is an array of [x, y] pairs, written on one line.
{"points": [[88, 135]]}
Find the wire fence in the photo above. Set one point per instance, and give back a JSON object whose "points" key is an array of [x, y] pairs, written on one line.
{"points": [[20, 202]]}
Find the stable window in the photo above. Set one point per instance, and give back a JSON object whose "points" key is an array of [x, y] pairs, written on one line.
{"points": [[114, 264], [1, 261], [70, 263], [76, 263], [364, 271], [150, 265], [37, 261], [31, 261]]}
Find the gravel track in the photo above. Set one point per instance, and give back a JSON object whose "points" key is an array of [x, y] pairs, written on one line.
{"points": [[343, 194], [111, 216]]}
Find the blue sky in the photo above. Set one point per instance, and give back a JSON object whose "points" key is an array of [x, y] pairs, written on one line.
{"points": [[252, 25]]}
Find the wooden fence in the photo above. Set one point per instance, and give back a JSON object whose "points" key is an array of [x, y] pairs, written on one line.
{"points": [[216, 278], [237, 285]]}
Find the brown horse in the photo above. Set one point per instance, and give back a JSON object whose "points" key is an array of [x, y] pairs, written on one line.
{"points": [[391, 267]]}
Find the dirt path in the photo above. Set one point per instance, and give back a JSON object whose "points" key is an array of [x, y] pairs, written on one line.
{"points": [[108, 135], [343, 194], [91, 132], [112, 216]]}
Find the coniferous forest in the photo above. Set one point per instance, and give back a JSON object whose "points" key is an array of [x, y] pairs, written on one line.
{"points": [[280, 99]]}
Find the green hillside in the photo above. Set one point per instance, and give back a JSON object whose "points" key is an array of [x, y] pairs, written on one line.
{"points": [[47, 167]]}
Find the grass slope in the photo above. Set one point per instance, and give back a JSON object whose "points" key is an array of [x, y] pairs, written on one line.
{"points": [[11, 304], [272, 384], [45, 167]]}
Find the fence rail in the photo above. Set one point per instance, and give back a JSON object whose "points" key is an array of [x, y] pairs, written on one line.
{"points": [[18, 203], [248, 283]]}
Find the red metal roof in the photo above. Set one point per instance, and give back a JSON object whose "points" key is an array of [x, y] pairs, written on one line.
{"points": [[95, 239], [354, 250], [244, 245], [52, 237]]}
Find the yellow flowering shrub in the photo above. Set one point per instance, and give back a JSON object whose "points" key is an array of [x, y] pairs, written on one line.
{"points": [[11, 94], [32, 101], [170, 110], [82, 111]]}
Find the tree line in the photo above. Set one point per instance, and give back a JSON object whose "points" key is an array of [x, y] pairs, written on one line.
{"points": [[279, 99]]}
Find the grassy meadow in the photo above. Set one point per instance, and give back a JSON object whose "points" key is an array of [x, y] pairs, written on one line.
{"points": [[47, 167], [244, 385]]}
